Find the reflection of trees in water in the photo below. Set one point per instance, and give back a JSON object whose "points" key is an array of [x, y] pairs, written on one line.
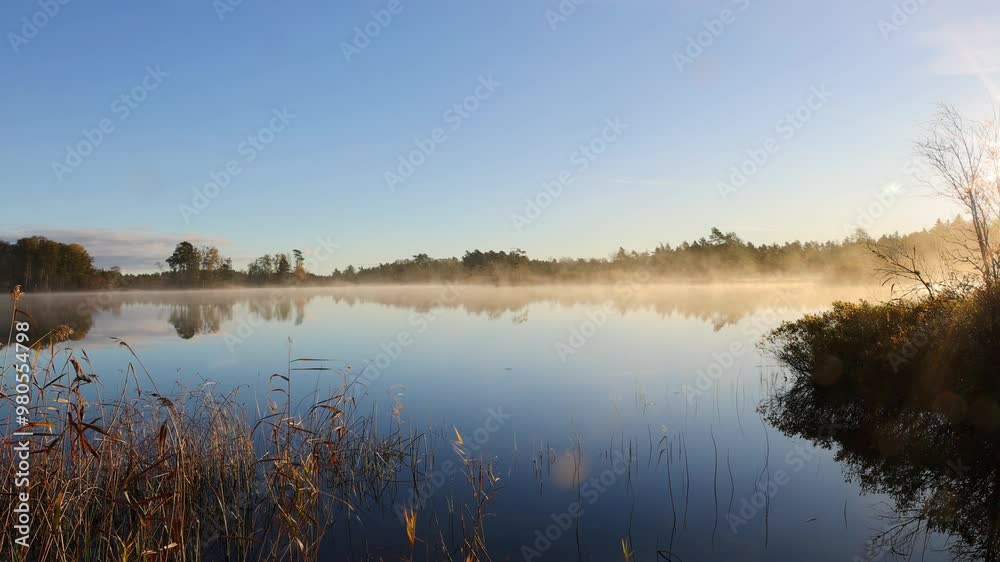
{"points": [[205, 312], [280, 308], [943, 475], [192, 319], [720, 305], [189, 313], [47, 313]]}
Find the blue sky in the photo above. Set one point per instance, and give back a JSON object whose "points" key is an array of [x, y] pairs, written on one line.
{"points": [[322, 177]]}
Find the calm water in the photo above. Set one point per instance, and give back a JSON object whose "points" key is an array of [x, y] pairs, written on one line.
{"points": [[645, 408]]}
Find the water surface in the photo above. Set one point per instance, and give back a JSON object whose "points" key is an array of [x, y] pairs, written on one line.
{"points": [[642, 412]]}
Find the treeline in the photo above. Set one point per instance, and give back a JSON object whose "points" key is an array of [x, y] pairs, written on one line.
{"points": [[719, 256], [39, 264], [205, 267]]}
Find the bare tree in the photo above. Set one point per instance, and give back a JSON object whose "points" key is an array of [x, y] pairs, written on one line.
{"points": [[899, 262], [963, 157]]}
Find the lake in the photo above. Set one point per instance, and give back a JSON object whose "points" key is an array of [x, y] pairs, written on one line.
{"points": [[639, 414]]}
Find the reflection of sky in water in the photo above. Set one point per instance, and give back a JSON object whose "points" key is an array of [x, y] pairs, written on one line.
{"points": [[495, 349]]}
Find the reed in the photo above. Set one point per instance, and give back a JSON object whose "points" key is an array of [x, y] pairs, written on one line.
{"points": [[142, 475]]}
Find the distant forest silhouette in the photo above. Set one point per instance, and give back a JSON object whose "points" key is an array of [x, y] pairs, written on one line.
{"points": [[40, 265]]}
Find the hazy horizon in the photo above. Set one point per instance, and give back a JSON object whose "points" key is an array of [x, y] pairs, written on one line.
{"points": [[302, 117], [98, 248]]}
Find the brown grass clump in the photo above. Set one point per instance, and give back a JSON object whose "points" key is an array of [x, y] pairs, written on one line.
{"points": [[146, 476]]}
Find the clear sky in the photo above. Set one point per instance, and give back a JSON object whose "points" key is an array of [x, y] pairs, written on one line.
{"points": [[186, 89]]}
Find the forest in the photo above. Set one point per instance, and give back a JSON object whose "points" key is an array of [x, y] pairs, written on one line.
{"points": [[41, 265], [46, 265]]}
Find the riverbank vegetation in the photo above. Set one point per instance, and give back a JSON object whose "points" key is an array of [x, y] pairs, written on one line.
{"points": [[939, 341], [189, 476], [906, 394], [908, 390]]}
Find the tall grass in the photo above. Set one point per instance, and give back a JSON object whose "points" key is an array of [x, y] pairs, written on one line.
{"points": [[141, 475]]}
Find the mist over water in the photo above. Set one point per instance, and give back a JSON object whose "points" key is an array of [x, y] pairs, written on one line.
{"points": [[637, 405], [209, 312]]}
